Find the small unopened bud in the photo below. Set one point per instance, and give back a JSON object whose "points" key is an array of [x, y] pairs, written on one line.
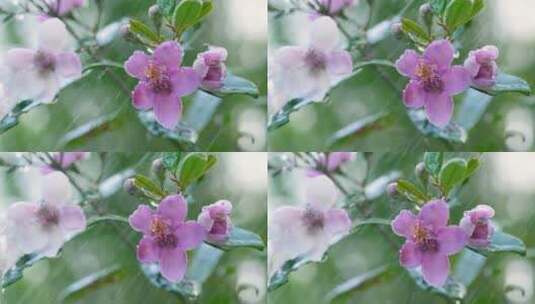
{"points": [[426, 13], [421, 173], [158, 169], [129, 187], [155, 16], [392, 189], [396, 31]]}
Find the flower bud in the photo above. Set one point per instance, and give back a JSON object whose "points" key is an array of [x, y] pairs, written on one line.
{"points": [[396, 31], [210, 66], [421, 173], [392, 189], [155, 16], [426, 13], [158, 169], [130, 187]]}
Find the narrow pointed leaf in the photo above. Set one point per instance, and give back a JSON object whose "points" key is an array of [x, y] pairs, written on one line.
{"points": [[506, 83], [241, 238], [502, 242]]}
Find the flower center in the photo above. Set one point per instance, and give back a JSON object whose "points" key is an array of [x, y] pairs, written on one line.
{"points": [[159, 80], [161, 232], [481, 230], [431, 80], [424, 238], [48, 215], [316, 60], [485, 72], [44, 61], [313, 220]]}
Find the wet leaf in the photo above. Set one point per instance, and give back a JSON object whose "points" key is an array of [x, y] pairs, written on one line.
{"points": [[411, 191], [201, 111], [358, 283], [16, 273], [12, 119], [360, 128], [506, 83], [233, 84], [91, 129], [241, 238], [433, 162], [472, 108], [438, 6], [452, 132], [280, 277], [468, 266], [167, 7], [183, 136], [83, 287], [171, 161], [204, 263], [452, 289], [282, 117], [185, 289], [502, 242]]}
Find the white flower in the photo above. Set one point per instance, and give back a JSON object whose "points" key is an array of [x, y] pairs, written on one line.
{"points": [[309, 72], [307, 231], [43, 227], [6, 103], [38, 74], [8, 254]]}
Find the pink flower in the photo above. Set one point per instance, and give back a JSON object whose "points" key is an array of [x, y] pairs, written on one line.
{"points": [[9, 253], [309, 72], [482, 66], [433, 81], [38, 74], [65, 160], [429, 241], [215, 218], [210, 66], [63, 7], [331, 162], [162, 82], [309, 230], [477, 225], [45, 226], [336, 6], [167, 236]]}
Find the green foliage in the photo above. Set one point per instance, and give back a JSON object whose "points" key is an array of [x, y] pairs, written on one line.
{"points": [[502, 242], [194, 166], [506, 83], [16, 273], [241, 238], [143, 32], [186, 13], [433, 162], [81, 288], [411, 192], [150, 189], [415, 31]]}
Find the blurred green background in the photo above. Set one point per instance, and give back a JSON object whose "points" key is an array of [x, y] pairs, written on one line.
{"points": [[239, 122], [238, 278], [507, 24], [504, 181]]}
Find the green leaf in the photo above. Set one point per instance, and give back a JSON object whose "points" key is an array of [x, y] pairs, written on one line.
{"points": [[280, 277], [233, 84], [186, 289], [167, 7], [207, 8], [16, 273], [143, 32], [91, 129], [204, 263], [201, 110], [452, 289], [186, 14], [438, 6], [453, 172], [468, 267], [282, 117], [360, 128], [477, 6], [471, 167], [92, 222], [506, 83], [83, 287], [358, 283], [368, 222], [458, 13], [433, 162], [502, 242], [12, 119], [149, 188], [415, 31], [411, 192], [171, 160], [184, 137], [241, 238], [472, 108], [194, 166], [452, 132]]}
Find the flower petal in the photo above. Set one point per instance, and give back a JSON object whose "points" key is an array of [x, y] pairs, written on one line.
{"points": [[190, 235], [320, 192], [19, 58], [456, 80], [136, 65], [324, 35], [435, 268], [142, 97], [413, 95], [173, 264], [440, 52], [141, 219], [174, 207], [72, 219], [54, 241], [168, 110], [147, 251], [23, 227], [403, 224], [452, 239], [339, 63], [337, 223], [435, 213], [53, 35], [439, 109], [290, 56], [169, 54], [56, 188], [409, 255], [185, 81], [407, 63], [68, 65]]}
